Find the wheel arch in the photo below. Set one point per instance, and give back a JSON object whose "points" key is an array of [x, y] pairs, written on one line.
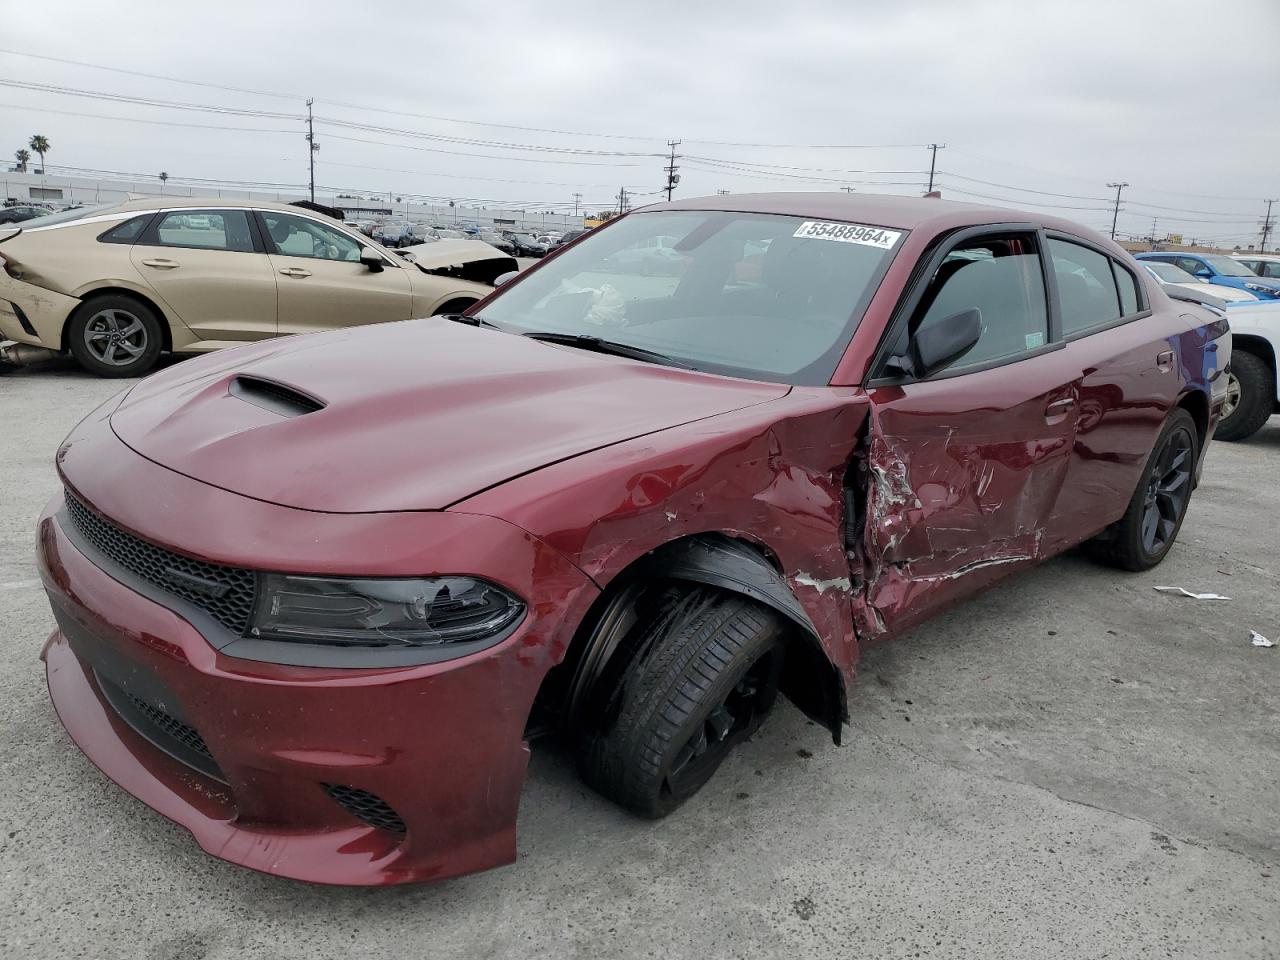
{"points": [[88, 295], [1196, 403], [810, 679]]}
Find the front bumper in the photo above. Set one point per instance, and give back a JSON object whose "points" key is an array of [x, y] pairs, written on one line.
{"points": [[440, 745]]}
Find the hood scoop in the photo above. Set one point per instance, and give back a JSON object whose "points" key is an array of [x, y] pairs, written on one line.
{"points": [[277, 397]]}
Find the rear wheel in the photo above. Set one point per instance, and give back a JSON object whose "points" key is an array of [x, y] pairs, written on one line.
{"points": [[115, 336], [1141, 538], [1251, 397], [704, 675]]}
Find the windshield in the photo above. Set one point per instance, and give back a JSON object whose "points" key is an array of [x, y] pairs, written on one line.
{"points": [[754, 295], [1171, 274], [67, 216], [451, 234], [1228, 267]]}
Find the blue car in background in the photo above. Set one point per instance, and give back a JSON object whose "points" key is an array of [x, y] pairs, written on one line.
{"points": [[1220, 270]]}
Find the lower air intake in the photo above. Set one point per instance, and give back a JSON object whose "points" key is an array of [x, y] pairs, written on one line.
{"points": [[366, 806]]}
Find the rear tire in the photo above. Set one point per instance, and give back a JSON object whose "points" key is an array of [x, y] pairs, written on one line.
{"points": [[704, 676], [1251, 397], [1140, 539], [115, 336]]}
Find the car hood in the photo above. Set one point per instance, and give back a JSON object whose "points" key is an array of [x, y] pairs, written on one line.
{"points": [[411, 416]]}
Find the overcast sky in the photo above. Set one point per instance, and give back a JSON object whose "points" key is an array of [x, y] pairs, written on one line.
{"points": [[1177, 98]]}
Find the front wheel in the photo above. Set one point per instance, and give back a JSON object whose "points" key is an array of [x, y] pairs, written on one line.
{"points": [[704, 676], [1141, 538], [115, 336]]}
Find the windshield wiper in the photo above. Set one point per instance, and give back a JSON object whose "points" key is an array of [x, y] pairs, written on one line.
{"points": [[598, 345], [469, 321]]}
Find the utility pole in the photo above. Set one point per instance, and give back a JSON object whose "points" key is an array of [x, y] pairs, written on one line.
{"points": [[1115, 215], [848, 189], [933, 161], [1266, 227], [577, 199], [622, 200], [672, 177], [312, 147], [722, 193], [1154, 221]]}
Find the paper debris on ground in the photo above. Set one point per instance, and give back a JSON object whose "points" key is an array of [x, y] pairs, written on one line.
{"points": [[1193, 596], [1260, 641]]}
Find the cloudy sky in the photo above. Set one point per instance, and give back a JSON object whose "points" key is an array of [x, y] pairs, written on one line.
{"points": [[1040, 104]]}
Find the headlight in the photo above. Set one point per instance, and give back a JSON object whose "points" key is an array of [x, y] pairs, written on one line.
{"points": [[382, 613], [1261, 288]]}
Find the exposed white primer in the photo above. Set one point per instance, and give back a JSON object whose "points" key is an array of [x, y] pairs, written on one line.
{"points": [[822, 586], [670, 516]]}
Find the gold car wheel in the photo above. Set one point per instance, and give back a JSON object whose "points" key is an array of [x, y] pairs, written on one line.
{"points": [[115, 337]]}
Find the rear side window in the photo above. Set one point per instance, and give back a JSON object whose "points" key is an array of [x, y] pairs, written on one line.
{"points": [[1127, 284], [206, 229], [127, 232], [1086, 286], [1002, 278]]}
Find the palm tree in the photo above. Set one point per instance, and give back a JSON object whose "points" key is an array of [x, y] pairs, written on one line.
{"points": [[23, 159], [163, 177], [40, 144]]}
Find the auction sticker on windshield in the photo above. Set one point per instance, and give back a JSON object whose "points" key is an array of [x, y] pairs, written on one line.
{"points": [[848, 233]]}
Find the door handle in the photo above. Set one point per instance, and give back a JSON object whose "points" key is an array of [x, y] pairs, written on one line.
{"points": [[295, 272], [1057, 409], [160, 263], [1164, 361]]}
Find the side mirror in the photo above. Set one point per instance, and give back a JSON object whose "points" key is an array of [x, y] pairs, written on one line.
{"points": [[504, 277], [372, 259], [941, 344]]}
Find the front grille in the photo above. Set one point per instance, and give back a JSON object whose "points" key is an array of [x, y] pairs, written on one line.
{"points": [[225, 593], [366, 806]]}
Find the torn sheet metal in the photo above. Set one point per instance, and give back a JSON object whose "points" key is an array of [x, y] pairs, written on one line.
{"points": [[1194, 596], [1259, 640]]}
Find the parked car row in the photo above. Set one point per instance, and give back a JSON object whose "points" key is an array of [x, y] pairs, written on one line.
{"points": [[115, 286]]}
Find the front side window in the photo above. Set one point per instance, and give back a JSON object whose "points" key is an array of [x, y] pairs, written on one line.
{"points": [[1194, 267], [205, 229], [1086, 286], [1270, 269], [1002, 278], [300, 237], [756, 295]]}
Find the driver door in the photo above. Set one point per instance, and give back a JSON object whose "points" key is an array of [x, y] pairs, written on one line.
{"points": [[321, 283], [966, 465]]}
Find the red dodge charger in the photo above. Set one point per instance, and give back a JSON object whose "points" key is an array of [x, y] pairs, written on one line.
{"points": [[314, 596]]}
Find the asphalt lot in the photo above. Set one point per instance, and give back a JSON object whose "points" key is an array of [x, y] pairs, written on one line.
{"points": [[1073, 765]]}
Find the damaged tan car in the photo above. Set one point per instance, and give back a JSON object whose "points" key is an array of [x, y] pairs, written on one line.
{"points": [[116, 286]]}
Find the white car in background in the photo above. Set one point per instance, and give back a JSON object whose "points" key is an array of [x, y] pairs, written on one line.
{"points": [[1251, 379], [1263, 264], [1166, 274]]}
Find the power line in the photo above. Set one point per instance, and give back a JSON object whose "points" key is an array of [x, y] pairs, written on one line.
{"points": [[147, 101], [162, 123]]}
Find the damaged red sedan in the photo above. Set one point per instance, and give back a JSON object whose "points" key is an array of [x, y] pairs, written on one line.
{"points": [[315, 596]]}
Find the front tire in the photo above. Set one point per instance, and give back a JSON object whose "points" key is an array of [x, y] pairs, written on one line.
{"points": [[1251, 397], [115, 336], [704, 676], [1140, 539]]}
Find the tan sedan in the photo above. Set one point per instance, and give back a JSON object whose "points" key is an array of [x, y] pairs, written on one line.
{"points": [[115, 286]]}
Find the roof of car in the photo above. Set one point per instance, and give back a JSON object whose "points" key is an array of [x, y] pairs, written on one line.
{"points": [[882, 210], [205, 203]]}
